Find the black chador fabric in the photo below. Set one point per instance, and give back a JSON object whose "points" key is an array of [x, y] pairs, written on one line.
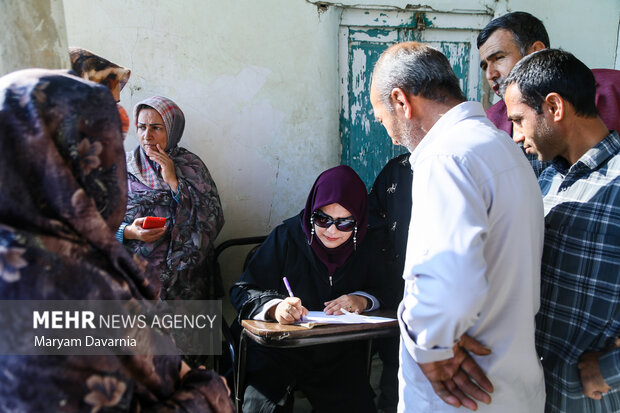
{"points": [[319, 371]]}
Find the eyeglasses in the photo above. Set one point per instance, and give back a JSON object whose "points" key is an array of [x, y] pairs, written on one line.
{"points": [[325, 221]]}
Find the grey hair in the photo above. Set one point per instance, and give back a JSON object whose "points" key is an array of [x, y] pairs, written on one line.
{"points": [[417, 69]]}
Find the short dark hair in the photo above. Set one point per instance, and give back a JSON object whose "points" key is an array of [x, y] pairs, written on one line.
{"points": [[554, 70], [526, 30], [418, 69]]}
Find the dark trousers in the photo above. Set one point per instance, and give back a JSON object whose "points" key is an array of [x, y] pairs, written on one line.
{"points": [[332, 376], [388, 384]]}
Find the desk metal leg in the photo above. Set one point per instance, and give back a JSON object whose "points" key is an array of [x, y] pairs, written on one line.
{"points": [[233, 353], [368, 358], [240, 385]]}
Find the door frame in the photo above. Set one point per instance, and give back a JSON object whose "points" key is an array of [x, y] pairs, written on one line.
{"points": [[437, 27]]}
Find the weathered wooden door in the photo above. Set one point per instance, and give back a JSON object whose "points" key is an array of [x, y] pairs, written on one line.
{"points": [[364, 35]]}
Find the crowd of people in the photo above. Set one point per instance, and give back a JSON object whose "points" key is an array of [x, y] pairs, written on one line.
{"points": [[496, 240]]}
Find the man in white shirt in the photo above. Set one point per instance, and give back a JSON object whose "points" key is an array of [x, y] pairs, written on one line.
{"points": [[467, 316]]}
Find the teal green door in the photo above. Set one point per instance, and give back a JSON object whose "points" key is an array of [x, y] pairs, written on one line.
{"points": [[366, 147]]}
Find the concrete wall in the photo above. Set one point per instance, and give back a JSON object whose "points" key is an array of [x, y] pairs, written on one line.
{"points": [[258, 81], [589, 30], [33, 35], [255, 80]]}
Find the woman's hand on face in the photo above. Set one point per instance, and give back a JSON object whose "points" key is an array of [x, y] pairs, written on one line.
{"points": [[167, 166], [350, 302], [288, 311], [135, 231]]}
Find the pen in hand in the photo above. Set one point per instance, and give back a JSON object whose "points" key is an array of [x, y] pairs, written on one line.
{"points": [[290, 293]]}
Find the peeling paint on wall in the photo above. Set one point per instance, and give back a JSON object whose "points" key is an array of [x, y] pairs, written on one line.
{"points": [[366, 146], [359, 79]]}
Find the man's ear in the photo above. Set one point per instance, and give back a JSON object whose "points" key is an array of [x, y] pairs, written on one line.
{"points": [[400, 101], [555, 106], [536, 46]]}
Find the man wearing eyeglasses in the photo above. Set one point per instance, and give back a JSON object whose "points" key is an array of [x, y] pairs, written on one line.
{"points": [[467, 316]]}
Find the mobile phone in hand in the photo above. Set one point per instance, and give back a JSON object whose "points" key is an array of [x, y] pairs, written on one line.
{"points": [[153, 222]]}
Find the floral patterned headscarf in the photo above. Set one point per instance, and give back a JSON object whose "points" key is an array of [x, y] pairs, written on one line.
{"points": [[89, 66], [63, 178]]}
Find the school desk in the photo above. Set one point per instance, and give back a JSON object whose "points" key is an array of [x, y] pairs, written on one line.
{"points": [[273, 334]]}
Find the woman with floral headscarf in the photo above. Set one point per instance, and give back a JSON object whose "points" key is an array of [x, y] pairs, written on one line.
{"points": [[168, 181], [63, 194], [332, 264], [89, 66]]}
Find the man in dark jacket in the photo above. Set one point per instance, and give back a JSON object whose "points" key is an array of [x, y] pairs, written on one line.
{"points": [[389, 213]]}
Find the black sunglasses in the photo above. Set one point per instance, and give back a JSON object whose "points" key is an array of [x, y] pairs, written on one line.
{"points": [[325, 221]]}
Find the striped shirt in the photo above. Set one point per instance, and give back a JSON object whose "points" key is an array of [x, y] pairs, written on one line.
{"points": [[580, 295]]}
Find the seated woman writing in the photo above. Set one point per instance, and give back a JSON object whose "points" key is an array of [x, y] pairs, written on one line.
{"points": [[331, 264], [165, 180]]}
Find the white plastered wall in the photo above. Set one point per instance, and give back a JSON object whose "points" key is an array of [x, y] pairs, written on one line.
{"points": [[33, 35]]}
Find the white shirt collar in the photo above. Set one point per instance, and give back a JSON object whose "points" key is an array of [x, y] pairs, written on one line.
{"points": [[455, 115]]}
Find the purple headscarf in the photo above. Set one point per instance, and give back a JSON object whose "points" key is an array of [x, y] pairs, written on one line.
{"points": [[343, 186]]}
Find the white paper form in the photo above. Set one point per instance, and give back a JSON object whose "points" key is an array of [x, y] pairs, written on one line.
{"points": [[319, 317]]}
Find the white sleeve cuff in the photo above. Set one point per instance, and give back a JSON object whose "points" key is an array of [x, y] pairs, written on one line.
{"points": [[374, 302], [262, 313], [420, 354]]}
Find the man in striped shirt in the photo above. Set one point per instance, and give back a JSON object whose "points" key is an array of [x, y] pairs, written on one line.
{"points": [[550, 100]]}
